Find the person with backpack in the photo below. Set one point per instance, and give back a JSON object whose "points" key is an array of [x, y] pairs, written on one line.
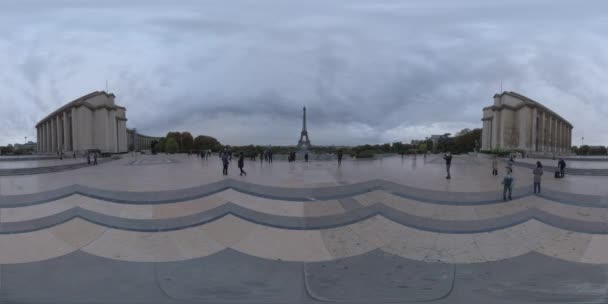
{"points": [[538, 173], [508, 185], [241, 163], [448, 162], [561, 164]]}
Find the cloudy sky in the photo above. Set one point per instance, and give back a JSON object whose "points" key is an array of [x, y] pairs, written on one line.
{"points": [[241, 70]]}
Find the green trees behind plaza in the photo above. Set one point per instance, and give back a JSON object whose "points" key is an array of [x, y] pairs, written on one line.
{"points": [[463, 142], [175, 142]]}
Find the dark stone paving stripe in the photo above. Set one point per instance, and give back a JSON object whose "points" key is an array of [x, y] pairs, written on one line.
{"points": [[308, 223], [233, 277], [297, 194]]}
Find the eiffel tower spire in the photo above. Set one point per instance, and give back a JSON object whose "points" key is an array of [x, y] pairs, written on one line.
{"points": [[304, 142]]}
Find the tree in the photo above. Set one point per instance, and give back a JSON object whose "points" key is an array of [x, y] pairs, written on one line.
{"points": [[465, 140], [162, 144], [177, 136], [203, 142], [187, 142], [171, 145]]}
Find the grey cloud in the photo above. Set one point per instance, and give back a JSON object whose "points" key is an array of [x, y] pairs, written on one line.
{"points": [[367, 71]]}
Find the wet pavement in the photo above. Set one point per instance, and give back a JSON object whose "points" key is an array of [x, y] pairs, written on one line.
{"points": [[172, 229]]}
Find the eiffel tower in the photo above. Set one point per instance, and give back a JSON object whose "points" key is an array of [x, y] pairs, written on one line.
{"points": [[304, 142]]}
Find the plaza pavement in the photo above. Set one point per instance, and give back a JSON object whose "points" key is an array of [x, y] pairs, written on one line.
{"points": [[171, 229]]}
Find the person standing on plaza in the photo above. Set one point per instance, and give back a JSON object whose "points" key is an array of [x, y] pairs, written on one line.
{"points": [[494, 166], [561, 164], [306, 157], [225, 162], [241, 163], [95, 158], [448, 163], [538, 173], [340, 157], [270, 156], [508, 185], [88, 158]]}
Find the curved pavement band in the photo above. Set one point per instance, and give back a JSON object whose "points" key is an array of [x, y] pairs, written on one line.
{"points": [[515, 214], [297, 194], [232, 242], [302, 245]]}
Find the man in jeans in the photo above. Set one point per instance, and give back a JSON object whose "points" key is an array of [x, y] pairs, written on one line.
{"points": [[508, 185], [538, 173]]}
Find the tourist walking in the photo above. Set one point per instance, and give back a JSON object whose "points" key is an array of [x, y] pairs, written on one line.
{"points": [[561, 164], [261, 157], [95, 158], [538, 173], [495, 166], [340, 157], [225, 162], [269, 155], [508, 185], [306, 157], [88, 158], [448, 163], [241, 163]]}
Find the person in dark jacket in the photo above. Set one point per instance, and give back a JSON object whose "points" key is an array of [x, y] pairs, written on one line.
{"points": [[225, 162], [561, 164], [538, 173], [95, 158], [88, 158], [508, 185], [448, 163], [242, 163], [340, 157], [306, 157]]}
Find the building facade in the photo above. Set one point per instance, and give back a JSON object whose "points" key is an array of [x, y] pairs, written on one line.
{"points": [[93, 121], [515, 121], [138, 142]]}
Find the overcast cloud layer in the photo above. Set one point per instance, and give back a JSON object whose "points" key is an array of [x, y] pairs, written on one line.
{"points": [[368, 71]]}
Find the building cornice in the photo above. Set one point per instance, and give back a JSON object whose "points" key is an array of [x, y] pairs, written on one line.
{"points": [[527, 102], [82, 101]]}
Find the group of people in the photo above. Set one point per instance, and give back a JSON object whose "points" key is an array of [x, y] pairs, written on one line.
{"points": [[508, 180], [89, 157], [266, 155], [226, 157]]}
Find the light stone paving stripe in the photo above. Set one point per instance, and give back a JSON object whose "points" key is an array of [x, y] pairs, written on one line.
{"points": [[49, 243], [298, 194], [303, 245], [153, 247], [461, 226]]}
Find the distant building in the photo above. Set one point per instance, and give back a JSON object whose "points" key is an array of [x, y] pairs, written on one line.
{"points": [[30, 145], [93, 121], [138, 142], [515, 121], [416, 141]]}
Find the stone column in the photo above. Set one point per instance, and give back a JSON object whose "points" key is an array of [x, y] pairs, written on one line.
{"points": [[542, 134], [533, 136], [43, 128], [66, 135], [75, 144], [59, 122], [551, 133], [558, 135]]}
